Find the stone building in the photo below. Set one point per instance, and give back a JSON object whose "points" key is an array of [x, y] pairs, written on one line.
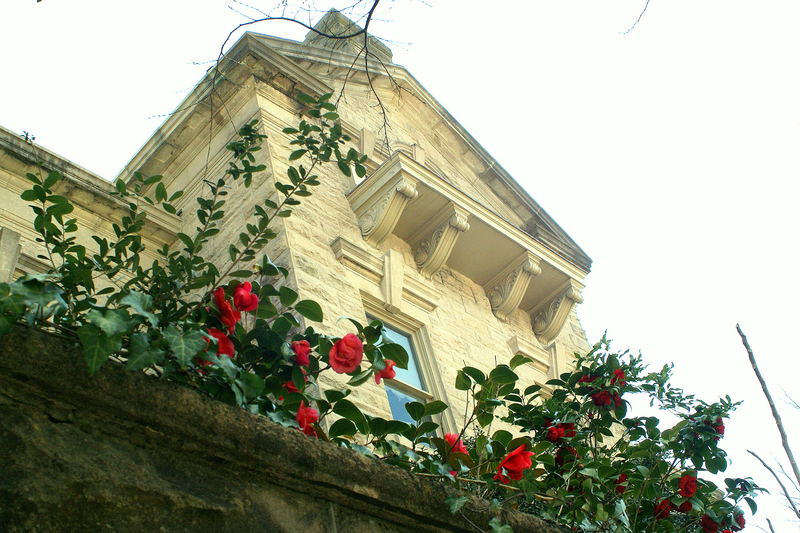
{"points": [[438, 241]]}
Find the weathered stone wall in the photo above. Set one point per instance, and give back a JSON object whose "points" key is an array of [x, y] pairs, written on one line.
{"points": [[125, 452]]}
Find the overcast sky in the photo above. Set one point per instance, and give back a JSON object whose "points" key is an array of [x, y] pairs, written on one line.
{"points": [[670, 154]]}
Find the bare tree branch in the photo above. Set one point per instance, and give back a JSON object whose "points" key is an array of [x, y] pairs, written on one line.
{"points": [[783, 487], [775, 414], [646, 5], [770, 526]]}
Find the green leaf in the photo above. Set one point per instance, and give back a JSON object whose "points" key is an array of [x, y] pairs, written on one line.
{"points": [[141, 355], [297, 154], [435, 407], [309, 309], [344, 167], [416, 410], [287, 296], [462, 381], [141, 303], [503, 374], [518, 360], [348, 410], [97, 347], [186, 240], [52, 178], [396, 353], [111, 321], [184, 344], [454, 503], [252, 385], [478, 376], [343, 426]]}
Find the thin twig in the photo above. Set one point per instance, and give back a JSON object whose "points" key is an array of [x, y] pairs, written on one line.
{"points": [[646, 5], [771, 471], [775, 414], [770, 525]]}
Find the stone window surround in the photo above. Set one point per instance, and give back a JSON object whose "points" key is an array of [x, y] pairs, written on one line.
{"points": [[426, 361]]}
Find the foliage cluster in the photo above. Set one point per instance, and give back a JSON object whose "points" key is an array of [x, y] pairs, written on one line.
{"points": [[569, 453]]}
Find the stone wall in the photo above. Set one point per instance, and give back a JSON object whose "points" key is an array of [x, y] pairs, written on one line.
{"points": [[125, 452]]}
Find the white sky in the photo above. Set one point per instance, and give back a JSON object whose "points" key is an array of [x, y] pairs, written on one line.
{"points": [[669, 154]]}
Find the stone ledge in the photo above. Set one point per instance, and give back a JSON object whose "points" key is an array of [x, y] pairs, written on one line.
{"points": [[125, 452]]}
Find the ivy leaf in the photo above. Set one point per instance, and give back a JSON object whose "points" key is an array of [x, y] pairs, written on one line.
{"points": [[309, 309], [141, 303], [454, 503], [97, 347], [184, 344], [252, 386], [111, 321], [141, 355]]}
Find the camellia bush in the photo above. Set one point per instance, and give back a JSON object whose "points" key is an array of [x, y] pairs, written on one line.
{"points": [[570, 453]]}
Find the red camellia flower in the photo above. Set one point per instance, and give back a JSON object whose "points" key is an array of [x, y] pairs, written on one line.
{"points": [[708, 525], [301, 350], [566, 429], [719, 427], [346, 354], [618, 378], [739, 519], [388, 371], [685, 507], [454, 443], [663, 509], [224, 347], [602, 398], [687, 486], [563, 453], [227, 314], [588, 378], [243, 298], [514, 464], [224, 344], [620, 488], [306, 418]]}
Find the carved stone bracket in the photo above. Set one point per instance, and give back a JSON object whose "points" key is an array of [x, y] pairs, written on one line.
{"points": [[379, 214], [438, 238], [505, 290], [549, 319]]}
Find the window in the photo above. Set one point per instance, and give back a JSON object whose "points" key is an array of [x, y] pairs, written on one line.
{"points": [[408, 384]]}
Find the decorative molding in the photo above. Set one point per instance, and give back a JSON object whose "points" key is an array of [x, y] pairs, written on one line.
{"points": [[432, 250], [541, 358], [9, 253], [505, 290], [550, 319], [379, 212], [398, 284]]}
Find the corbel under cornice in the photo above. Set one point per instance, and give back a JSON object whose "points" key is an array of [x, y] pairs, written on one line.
{"points": [[506, 289], [436, 240], [550, 318]]}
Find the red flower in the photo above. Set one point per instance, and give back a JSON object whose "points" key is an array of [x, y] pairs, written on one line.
{"points": [[243, 299], [513, 464], [387, 372], [227, 314], [346, 354], [687, 486], [685, 507], [708, 525], [453, 473], [301, 350], [224, 344], [663, 509], [617, 399], [454, 443], [569, 429], [290, 386], [739, 519], [559, 431], [719, 427], [563, 453], [620, 488], [588, 378], [618, 378], [306, 418], [602, 398]]}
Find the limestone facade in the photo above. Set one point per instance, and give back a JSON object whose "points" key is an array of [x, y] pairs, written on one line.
{"points": [[437, 240]]}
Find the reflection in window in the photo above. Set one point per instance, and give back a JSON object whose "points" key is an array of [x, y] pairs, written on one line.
{"points": [[408, 385]]}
